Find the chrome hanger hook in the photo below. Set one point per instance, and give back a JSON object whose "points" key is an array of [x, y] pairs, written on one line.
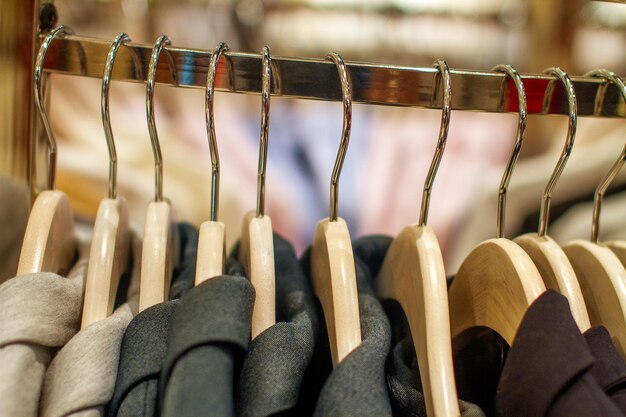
{"points": [[611, 78], [38, 76], [210, 128], [265, 127], [569, 142], [444, 75], [104, 102], [159, 45], [521, 129], [346, 91]]}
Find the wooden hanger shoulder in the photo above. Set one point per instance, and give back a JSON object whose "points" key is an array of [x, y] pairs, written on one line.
{"points": [[619, 249], [334, 282], [413, 274], [157, 255], [256, 253], [109, 258], [602, 279], [211, 251], [49, 243], [557, 273], [494, 287]]}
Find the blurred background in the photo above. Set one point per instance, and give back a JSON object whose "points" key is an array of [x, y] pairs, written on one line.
{"points": [[390, 148]]}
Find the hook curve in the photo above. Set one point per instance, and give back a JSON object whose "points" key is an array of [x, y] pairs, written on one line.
{"points": [[612, 78], [159, 45], [37, 81], [511, 73], [569, 141], [346, 92], [444, 74], [210, 127], [106, 117], [266, 88]]}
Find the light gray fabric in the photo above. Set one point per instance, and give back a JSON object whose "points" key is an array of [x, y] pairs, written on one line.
{"points": [[40, 313], [81, 378]]}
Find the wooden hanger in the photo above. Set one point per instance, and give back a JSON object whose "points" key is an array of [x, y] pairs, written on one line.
{"points": [[212, 238], [601, 275], [48, 243], [333, 270], [109, 255], [618, 247], [497, 281], [413, 274], [552, 263], [256, 249], [160, 249]]}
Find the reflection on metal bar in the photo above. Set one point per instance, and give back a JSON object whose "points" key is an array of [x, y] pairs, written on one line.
{"points": [[317, 79]]}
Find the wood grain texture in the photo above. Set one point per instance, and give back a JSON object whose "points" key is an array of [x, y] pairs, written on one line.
{"points": [[49, 244], [256, 253], [109, 258], [619, 249], [494, 287], [557, 273], [211, 256], [157, 255], [602, 279], [413, 274], [334, 282]]}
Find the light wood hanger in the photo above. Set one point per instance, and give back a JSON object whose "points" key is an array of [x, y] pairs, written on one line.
{"points": [[333, 270], [109, 255], [256, 248], [48, 243], [212, 238], [552, 263], [160, 249], [413, 274], [601, 275], [497, 281], [618, 247]]}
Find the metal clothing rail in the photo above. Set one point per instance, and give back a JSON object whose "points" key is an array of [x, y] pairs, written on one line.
{"points": [[317, 79]]}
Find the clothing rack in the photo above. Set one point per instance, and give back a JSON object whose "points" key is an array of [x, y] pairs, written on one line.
{"points": [[23, 143], [317, 79]]}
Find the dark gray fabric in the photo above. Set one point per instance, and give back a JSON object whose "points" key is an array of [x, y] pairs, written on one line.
{"points": [[402, 371], [356, 387], [145, 341], [609, 368], [547, 370], [185, 272], [208, 336], [143, 350], [275, 364]]}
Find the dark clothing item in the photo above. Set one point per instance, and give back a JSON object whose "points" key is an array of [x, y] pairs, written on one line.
{"points": [[275, 364], [402, 371], [142, 353], [185, 272], [609, 369], [145, 340], [357, 387], [208, 337], [547, 371], [479, 355]]}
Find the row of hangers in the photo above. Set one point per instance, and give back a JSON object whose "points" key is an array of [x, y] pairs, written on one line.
{"points": [[494, 286]]}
